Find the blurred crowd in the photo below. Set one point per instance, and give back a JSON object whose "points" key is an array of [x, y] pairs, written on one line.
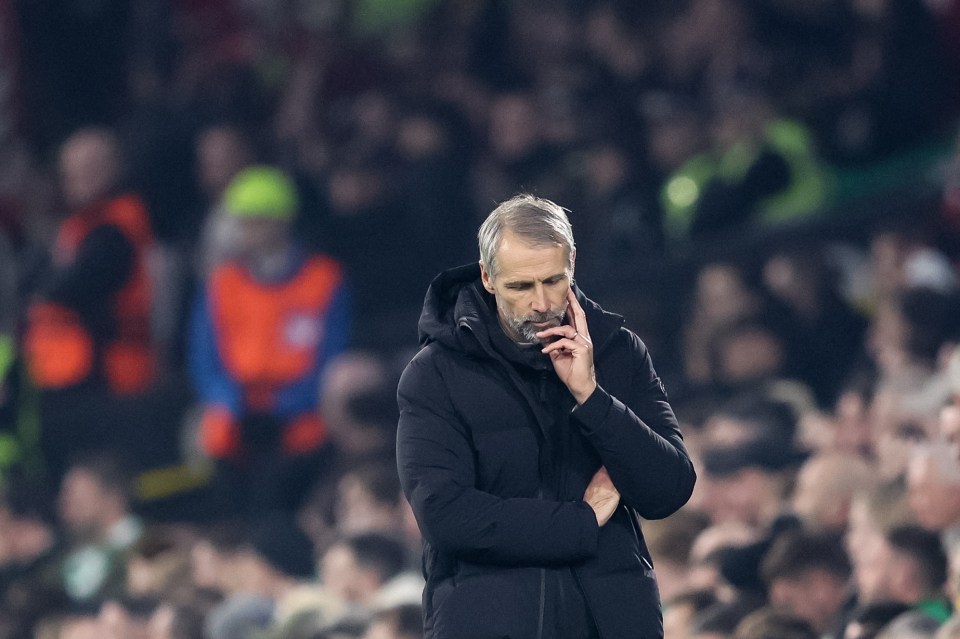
{"points": [[218, 219]]}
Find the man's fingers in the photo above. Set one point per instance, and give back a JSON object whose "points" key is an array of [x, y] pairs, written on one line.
{"points": [[578, 319], [602, 496]]}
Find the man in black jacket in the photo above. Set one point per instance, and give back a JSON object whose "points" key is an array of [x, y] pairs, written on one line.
{"points": [[534, 434]]}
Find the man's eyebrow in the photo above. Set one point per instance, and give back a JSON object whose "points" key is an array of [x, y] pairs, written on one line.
{"points": [[530, 281]]}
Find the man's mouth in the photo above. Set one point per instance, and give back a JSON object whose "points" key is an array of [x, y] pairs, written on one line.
{"points": [[547, 323]]}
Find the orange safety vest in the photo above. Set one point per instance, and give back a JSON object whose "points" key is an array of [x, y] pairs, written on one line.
{"points": [[60, 350], [270, 335]]}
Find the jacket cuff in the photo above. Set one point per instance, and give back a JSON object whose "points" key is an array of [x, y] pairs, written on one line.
{"points": [[593, 412], [589, 530]]}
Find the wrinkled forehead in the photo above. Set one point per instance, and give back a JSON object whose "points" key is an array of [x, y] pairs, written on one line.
{"points": [[518, 258]]}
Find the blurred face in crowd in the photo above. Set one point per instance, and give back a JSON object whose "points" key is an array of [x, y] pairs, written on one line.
{"points": [[514, 129], [747, 495], [949, 424], [260, 236], [344, 578], [868, 567], [346, 378], [704, 572], [676, 620], [825, 486], [213, 569], [81, 628], [82, 503], [337, 570], [352, 190], [751, 353], [886, 341], [815, 595], [606, 168], [933, 487], [862, 532], [221, 153], [116, 622], [530, 287], [853, 430], [358, 509], [161, 621], [675, 135], [887, 255], [88, 167], [896, 432], [420, 137], [721, 294], [22, 538]]}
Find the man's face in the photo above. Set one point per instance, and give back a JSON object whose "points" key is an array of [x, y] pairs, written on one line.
{"points": [[87, 169], [932, 492], [261, 236], [530, 286], [871, 569], [815, 595]]}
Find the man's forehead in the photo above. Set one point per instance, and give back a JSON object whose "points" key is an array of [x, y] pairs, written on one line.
{"points": [[518, 259]]}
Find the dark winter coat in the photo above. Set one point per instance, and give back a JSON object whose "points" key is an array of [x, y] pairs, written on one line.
{"points": [[497, 488]]}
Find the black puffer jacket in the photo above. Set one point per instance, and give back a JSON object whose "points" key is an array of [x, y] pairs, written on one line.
{"points": [[497, 488]]}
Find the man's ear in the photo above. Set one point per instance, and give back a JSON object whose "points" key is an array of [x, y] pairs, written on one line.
{"points": [[486, 279]]}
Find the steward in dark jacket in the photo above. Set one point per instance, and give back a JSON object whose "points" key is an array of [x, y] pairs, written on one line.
{"points": [[495, 454]]}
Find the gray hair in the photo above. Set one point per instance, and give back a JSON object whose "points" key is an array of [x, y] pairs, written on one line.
{"points": [[538, 221]]}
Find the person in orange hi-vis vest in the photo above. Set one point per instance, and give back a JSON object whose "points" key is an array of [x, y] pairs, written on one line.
{"points": [[87, 340], [266, 323]]}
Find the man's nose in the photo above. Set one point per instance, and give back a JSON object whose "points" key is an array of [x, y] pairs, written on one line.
{"points": [[540, 302]]}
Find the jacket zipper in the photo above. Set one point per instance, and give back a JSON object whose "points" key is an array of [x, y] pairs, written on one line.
{"points": [[542, 430], [543, 602]]}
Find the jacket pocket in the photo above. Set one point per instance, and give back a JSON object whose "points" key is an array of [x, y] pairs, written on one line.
{"points": [[489, 602]]}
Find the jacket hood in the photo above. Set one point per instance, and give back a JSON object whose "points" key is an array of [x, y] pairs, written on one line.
{"points": [[454, 302], [456, 309]]}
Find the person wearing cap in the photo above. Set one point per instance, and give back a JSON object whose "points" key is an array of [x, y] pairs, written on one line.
{"points": [[265, 326]]}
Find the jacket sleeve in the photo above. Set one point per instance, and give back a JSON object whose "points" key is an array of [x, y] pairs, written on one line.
{"points": [[436, 465], [639, 441], [103, 263], [213, 384]]}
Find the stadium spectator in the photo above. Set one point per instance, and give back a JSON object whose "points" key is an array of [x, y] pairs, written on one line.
{"points": [[808, 575], [908, 564], [680, 609], [88, 337], [768, 623], [274, 558], [933, 484], [264, 329], [402, 622], [394, 123], [825, 486], [95, 504]]}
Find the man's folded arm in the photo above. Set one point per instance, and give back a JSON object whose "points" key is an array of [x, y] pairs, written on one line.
{"points": [[639, 442], [437, 472]]}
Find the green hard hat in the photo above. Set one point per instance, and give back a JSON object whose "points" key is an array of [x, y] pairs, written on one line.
{"points": [[263, 192]]}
